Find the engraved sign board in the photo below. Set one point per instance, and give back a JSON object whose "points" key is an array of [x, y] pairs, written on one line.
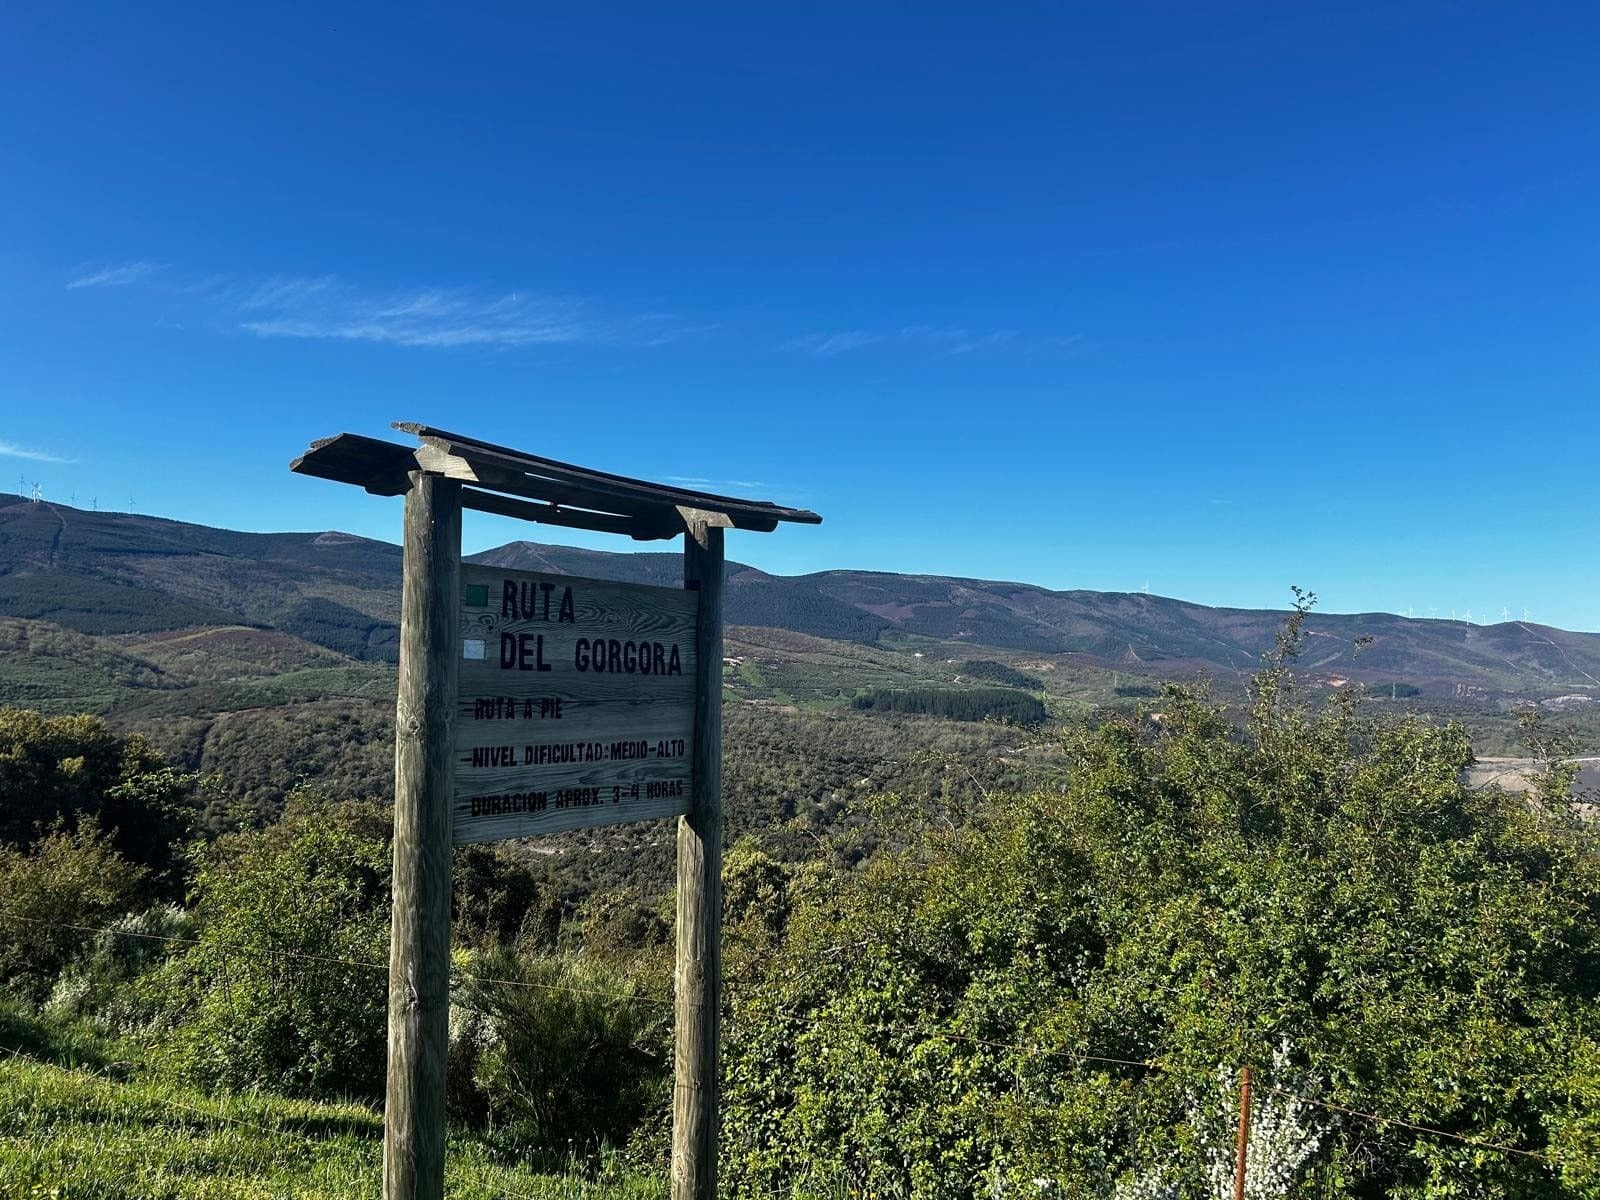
{"points": [[575, 705]]}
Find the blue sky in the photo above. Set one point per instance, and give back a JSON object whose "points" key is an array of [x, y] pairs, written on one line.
{"points": [[1215, 298]]}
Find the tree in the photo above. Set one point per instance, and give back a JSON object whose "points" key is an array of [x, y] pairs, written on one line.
{"points": [[286, 986], [559, 1056], [941, 1024], [71, 878], [63, 772]]}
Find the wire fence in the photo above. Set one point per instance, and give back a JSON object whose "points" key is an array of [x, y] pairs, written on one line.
{"points": [[1024, 1050], [456, 973]]}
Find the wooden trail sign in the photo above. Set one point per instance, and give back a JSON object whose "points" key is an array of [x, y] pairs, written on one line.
{"points": [[532, 703], [575, 703]]}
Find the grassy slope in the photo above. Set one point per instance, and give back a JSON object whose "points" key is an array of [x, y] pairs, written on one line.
{"points": [[73, 1133]]}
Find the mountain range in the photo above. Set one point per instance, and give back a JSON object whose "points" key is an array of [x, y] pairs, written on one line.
{"points": [[120, 575]]}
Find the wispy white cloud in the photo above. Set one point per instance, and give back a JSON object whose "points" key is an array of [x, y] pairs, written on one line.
{"points": [[958, 341], [12, 450], [334, 308], [119, 275], [328, 307], [714, 485], [934, 339], [834, 343]]}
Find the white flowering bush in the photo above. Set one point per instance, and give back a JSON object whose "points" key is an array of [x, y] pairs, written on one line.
{"points": [[1285, 1135], [97, 983]]}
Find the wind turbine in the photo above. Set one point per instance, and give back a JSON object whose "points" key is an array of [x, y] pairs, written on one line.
{"points": [[1467, 616], [1433, 611], [1408, 612], [1505, 614], [1526, 615]]}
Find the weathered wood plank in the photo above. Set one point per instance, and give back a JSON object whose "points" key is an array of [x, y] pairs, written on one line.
{"points": [[382, 468], [620, 488], [473, 466], [514, 825], [575, 701], [616, 775], [549, 743], [573, 606], [419, 947], [698, 976], [581, 708], [640, 529], [489, 469], [522, 476], [582, 498]]}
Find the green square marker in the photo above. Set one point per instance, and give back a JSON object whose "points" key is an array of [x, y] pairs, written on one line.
{"points": [[477, 595]]}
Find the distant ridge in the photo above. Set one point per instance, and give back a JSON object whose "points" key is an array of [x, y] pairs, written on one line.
{"points": [[114, 573]]}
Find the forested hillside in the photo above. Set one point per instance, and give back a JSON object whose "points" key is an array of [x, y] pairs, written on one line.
{"points": [[981, 822], [111, 573], [266, 660], [961, 959]]}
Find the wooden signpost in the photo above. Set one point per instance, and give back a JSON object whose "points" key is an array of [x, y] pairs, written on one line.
{"points": [[532, 703]]}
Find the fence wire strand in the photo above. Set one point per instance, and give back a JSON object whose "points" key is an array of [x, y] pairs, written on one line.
{"points": [[362, 964]]}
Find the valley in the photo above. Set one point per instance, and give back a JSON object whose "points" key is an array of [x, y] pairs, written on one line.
{"points": [[265, 663]]}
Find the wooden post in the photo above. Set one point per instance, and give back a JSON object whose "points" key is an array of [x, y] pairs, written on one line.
{"points": [[698, 977], [1241, 1162], [513, 483], [419, 946]]}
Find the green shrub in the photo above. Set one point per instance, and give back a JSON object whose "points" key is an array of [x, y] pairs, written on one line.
{"points": [[497, 900], [618, 925], [557, 1056], [57, 771], [1428, 951], [286, 989], [54, 1038], [104, 982], [1576, 1138], [69, 878]]}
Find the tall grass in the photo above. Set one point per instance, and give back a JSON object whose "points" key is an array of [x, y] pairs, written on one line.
{"points": [[71, 1133]]}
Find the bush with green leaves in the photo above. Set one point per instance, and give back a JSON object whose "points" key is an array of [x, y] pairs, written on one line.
{"points": [[621, 926], [1192, 897], [60, 772], [52, 896], [495, 900], [558, 1056], [285, 988]]}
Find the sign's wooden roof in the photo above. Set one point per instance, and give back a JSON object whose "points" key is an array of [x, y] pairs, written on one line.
{"points": [[513, 483]]}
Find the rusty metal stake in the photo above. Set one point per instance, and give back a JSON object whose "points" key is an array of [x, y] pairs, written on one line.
{"points": [[1240, 1162]]}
